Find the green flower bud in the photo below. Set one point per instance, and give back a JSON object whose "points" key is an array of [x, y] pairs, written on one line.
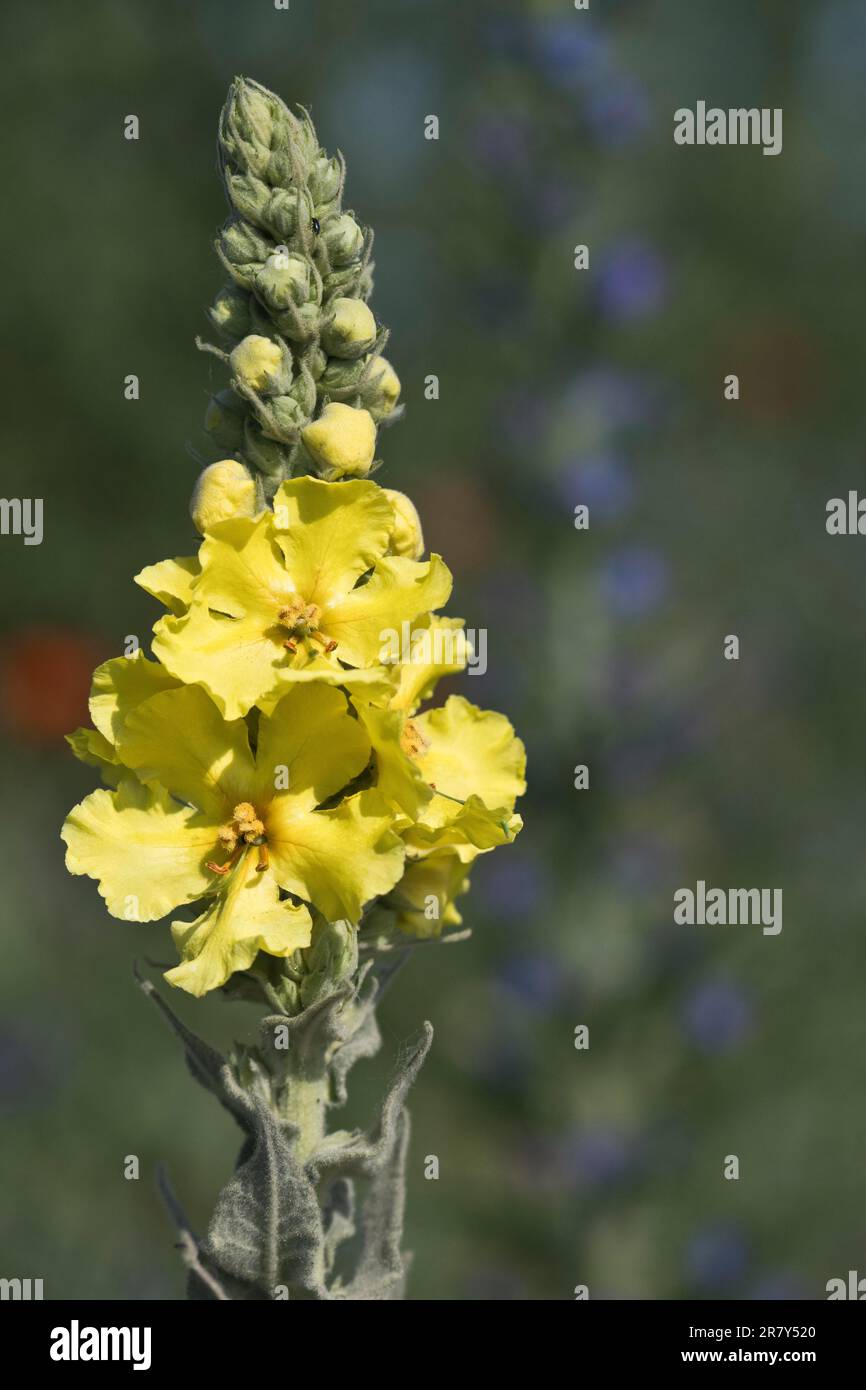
{"points": [[230, 312], [224, 420], [285, 417], [281, 213], [343, 239], [284, 279], [299, 325], [224, 490], [341, 442], [248, 195], [268, 455], [316, 361], [258, 363], [340, 375], [247, 127], [304, 392], [381, 390], [350, 330], [407, 537], [325, 179], [241, 244]]}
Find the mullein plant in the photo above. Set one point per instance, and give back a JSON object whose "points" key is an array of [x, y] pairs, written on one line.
{"points": [[272, 764]]}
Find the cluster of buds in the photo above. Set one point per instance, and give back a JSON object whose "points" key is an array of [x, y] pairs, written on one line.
{"points": [[309, 385]]}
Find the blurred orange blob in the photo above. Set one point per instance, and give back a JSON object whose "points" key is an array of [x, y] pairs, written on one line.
{"points": [[45, 681]]}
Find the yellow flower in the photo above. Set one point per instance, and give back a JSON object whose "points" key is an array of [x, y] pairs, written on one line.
{"points": [[351, 331], [307, 592], [451, 775], [342, 441], [201, 817], [256, 361], [424, 900], [407, 537], [224, 490], [383, 390]]}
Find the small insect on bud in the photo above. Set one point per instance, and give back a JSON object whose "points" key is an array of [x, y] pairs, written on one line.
{"points": [[381, 390], [257, 362], [342, 441], [224, 490], [350, 331], [343, 239], [406, 537]]}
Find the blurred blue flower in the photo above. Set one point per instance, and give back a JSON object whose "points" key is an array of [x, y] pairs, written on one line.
{"points": [[632, 281], [569, 51], [598, 1157], [717, 1257], [634, 580], [602, 481], [717, 1015], [536, 979], [618, 111]]}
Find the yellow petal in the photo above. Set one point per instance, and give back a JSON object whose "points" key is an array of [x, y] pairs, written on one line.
{"points": [[338, 860], [171, 581], [437, 647], [330, 534], [242, 570], [121, 684], [309, 748], [93, 748], [236, 660], [470, 752], [180, 739], [424, 897], [398, 778], [147, 852], [371, 617], [246, 918]]}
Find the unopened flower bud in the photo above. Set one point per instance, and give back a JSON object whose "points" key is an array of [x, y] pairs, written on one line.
{"points": [[269, 456], [224, 420], [285, 416], [350, 331], [257, 362], [381, 390], [230, 312], [223, 491], [407, 537], [281, 213], [340, 375], [242, 245], [249, 195], [299, 325], [342, 441], [283, 279], [325, 177], [343, 239]]}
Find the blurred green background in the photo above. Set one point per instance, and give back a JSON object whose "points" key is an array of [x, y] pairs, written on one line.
{"points": [[557, 387]]}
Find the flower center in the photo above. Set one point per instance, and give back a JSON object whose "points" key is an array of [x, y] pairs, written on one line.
{"points": [[302, 621], [243, 830]]}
